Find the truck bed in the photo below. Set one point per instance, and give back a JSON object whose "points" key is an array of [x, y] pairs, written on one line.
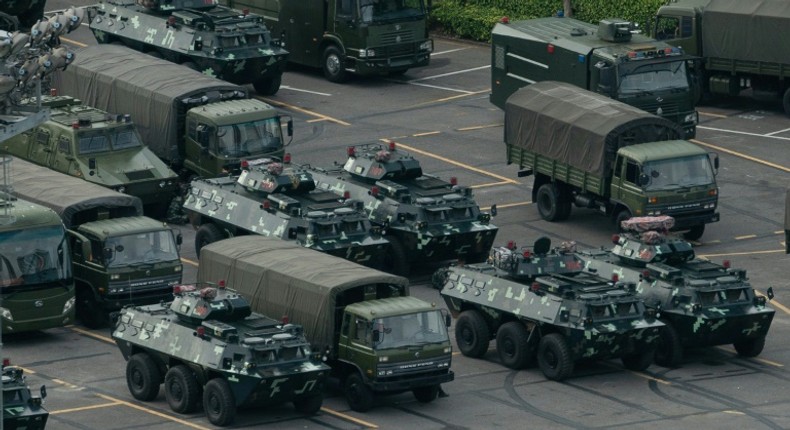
{"points": [[557, 169]]}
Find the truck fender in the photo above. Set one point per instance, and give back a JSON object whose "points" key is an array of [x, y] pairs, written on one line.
{"points": [[331, 39], [349, 368], [540, 179]]}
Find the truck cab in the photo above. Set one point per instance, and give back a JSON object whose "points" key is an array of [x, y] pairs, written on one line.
{"points": [[680, 25]]}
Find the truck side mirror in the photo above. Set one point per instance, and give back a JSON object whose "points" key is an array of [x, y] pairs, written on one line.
{"points": [[448, 320], [716, 162], [606, 79], [108, 253], [202, 135], [179, 239], [376, 336], [644, 179], [493, 210], [43, 391], [290, 128]]}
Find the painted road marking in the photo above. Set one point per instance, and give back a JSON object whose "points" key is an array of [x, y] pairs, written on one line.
{"points": [[190, 262], [455, 163], [93, 335], [490, 184], [84, 408], [774, 303], [479, 127], [349, 418], [742, 132], [650, 378], [747, 236], [152, 412], [286, 87], [305, 111], [420, 84], [444, 99], [777, 132], [762, 360], [747, 157], [73, 42], [457, 72], [448, 51], [715, 115], [727, 254]]}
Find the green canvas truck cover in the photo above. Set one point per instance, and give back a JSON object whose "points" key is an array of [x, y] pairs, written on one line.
{"points": [[123, 81], [579, 127], [276, 275], [70, 197], [753, 30]]}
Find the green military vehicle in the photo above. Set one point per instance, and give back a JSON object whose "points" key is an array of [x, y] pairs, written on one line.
{"points": [[738, 41], [208, 340], [365, 37], [608, 59], [198, 124], [427, 220], [595, 152], [99, 147], [701, 302], [21, 409], [199, 34], [118, 256], [362, 322], [540, 305]]}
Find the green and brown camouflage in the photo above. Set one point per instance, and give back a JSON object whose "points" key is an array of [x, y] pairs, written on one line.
{"points": [[214, 40], [99, 147], [701, 302], [555, 317], [208, 339], [21, 409], [271, 198], [427, 220]]}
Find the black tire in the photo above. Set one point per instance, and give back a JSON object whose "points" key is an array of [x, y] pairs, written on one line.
{"points": [[512, 346], [622, 215], [143, 377], [669, 351], [554, 357], [564, 205], [472, 334], [426, 394], [268, 86], [750, 347], [786, 101], [398, 263], [639, 361], [207, 234], [333, 65], [182, 389], [90, 313], [695, 232], [309, 405], [218, 402], [547, 199], [358, 395]]}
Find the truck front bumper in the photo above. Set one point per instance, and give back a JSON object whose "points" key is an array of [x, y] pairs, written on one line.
{"points": [[687, 221], [412, 383]]}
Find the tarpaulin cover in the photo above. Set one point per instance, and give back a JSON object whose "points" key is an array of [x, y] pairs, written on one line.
{"points": [[753, 30], [119, 80], [579, 127], [280, 278], [70, 197]]}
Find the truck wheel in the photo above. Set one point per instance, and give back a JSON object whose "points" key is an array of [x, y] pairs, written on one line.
{"points": [[471, 334], [358, 395], [554, 357], [90, 312], [621, 216], [512, 346], [669, 351], [695, 232], [207, 234], [750, 347], [564, 206], [398, 263], [426, 394], [182, 390], [639, 361], [218, 402], [548, 202], [786, 101], [268, 86], [309, 405], [143, 377], [334, 67]]}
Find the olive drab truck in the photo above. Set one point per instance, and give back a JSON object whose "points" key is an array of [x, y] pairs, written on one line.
{"points": [[587, 150], [118, 256], [362, 322], [608, 59], [365, 37], [741, 44], [200, 125]]}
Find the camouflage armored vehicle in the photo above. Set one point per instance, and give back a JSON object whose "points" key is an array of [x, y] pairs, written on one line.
{"points": [[200, 34], [701, 302], [97, 146], [21, 409], [270, 198], [540, 304], [427, 219], [208, 340]]}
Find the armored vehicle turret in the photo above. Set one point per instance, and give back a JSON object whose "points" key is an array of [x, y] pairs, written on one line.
{"points": [[218, 41], [207, 339], [280, 200], [427, 219], [701, 302], [21, 409], [540, 304]]}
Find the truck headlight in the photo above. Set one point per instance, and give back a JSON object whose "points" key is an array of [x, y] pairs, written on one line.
{"points": [[427, 46], [692, 118], [6, 314], [115, 276], [365, 53], [384, 359], [68, 305]]}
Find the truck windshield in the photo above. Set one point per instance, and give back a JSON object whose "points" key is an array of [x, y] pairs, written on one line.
{"points": [[389, 10], [33, 256], [249, 138], [148, 247], [411, 329], [678, 172], [652, 77], [91, 142]]}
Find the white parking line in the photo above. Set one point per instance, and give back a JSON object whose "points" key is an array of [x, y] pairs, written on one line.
{"points": [[448, 74], [442, 88], [304, 91], [746, 133], [777, 132], [448, 51]]}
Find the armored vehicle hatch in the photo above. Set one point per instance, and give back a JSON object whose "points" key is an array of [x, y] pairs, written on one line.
{"points": [[21, 409]]}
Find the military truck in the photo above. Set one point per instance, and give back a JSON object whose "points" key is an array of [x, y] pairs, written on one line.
{"points": [[541, 306], [365, 37], [21, 409], [198, 124], [737, 42], [427, 220], [595, 152], [199, 34], [271, 198], [362, 322], [608, 59], [701, 302], [208, 340], [118, 256], [98, 147]]}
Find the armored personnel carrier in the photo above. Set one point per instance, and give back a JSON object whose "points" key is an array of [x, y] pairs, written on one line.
{"points": [[539, 304], [701, 302], [280, 200], [21, 409], [427, 219], [218, 41], [207, 339]]}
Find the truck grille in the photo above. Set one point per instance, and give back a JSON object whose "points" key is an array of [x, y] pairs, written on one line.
{"points": [[666, 108], [397, 37]]}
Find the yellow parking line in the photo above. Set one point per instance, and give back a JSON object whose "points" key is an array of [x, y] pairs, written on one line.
{"points": [[428, 133], [490, 184], [452, 97], [650, 378], [153, 412], [512, 205], [774, 303], [73, 42], [748, 236], [715, 115], [478, 127], [190, 262], [349, 418], [303, 110], [93, 335], [453, 162], [727, 254], [744, 156], [84, 408]]}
